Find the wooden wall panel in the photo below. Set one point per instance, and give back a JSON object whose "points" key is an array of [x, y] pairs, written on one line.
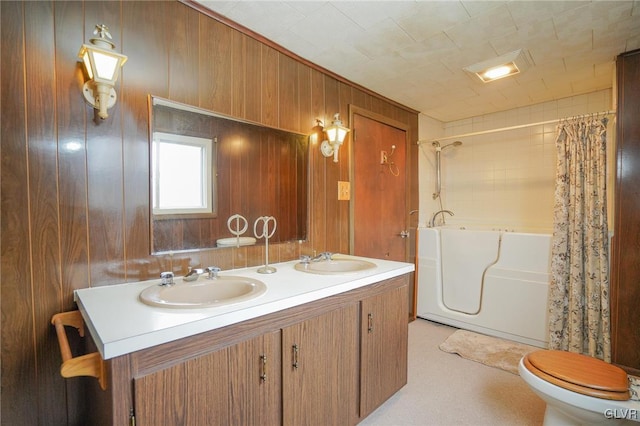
{"points": [[43, 200], [361, 99], [180, 33], [625, 271], [346, 99], [215, 62], [104, 166], [238, 70], [75, 189], [289, 95], [72, 183], [140, 30], [332, 170], [317, 180], [19, 382], [254, 80], [70, 125], [269, 86], [306, 117]]}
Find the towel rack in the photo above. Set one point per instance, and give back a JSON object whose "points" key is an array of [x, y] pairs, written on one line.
{"points": [[84, 365]]}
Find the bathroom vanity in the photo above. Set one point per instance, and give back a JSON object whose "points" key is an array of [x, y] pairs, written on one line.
{"points": [[314, 349]]}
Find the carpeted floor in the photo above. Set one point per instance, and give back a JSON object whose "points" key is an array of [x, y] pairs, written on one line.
{"points": [[446, 389]]}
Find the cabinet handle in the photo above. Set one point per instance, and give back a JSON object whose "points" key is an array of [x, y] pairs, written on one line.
{"points": [[295, 356], [370, 323], [263, 368]]}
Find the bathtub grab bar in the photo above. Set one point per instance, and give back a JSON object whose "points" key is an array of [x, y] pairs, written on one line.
{"points": [[85, 365]]}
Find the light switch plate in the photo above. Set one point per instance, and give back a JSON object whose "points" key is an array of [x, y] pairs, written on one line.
{"points": [[344, 190]]}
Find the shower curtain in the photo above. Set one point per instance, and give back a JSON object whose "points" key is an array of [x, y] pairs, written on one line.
{"points": [[579, 316]]}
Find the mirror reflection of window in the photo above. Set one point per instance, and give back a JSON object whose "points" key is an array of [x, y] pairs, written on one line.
{"points": [[182, 175], [257, 170]]}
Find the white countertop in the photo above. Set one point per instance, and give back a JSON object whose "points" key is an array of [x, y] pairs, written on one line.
{"points": [[120, 323]]}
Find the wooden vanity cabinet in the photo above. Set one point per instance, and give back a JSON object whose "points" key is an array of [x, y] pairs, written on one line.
{"points": [[316, 363]]}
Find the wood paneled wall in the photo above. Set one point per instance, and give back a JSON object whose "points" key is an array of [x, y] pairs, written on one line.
{"points": [[75, 192], [625, 253]]}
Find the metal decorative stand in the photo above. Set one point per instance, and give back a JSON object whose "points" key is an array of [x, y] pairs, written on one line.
{"points": [[265, 221], [237, 231]]}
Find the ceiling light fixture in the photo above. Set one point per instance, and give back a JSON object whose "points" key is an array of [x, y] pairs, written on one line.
{"points": [[503, 66]]}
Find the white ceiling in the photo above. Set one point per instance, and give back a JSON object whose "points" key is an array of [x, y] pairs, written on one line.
{"points": [[414, 52]]}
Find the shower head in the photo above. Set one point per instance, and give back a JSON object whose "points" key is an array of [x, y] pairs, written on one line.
{"points": [[456, 143], [436, 144]]}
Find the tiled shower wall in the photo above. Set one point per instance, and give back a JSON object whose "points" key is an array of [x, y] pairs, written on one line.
{"points": [[502, 179]]}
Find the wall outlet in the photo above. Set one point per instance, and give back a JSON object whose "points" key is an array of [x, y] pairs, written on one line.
{"points": [[383, 157], [344, 190]]}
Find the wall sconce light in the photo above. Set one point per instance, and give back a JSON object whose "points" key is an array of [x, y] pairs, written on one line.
{"points": [[102, 65], [334, 137]]}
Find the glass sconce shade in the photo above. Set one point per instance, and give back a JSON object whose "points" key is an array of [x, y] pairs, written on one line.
{"points": [[336, 134], [102, 65]]}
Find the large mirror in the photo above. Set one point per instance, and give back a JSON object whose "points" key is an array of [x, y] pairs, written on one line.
{"points": [[222, 170]]}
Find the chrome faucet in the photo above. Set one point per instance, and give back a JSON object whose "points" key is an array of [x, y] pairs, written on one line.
{"points": [[193, 274], [213, 272], [432, 222], [325, 255], [167, 278]]}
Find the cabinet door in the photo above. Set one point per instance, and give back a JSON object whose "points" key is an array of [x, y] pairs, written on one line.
{"points": [[319, 372], [232, 386], [195, 392], [255, 376], [384, 335]]}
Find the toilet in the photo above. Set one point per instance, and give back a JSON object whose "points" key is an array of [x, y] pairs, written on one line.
{"points": [[578, 389]]}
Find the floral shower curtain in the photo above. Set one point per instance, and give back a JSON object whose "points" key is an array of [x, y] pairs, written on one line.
{"points": [[579, 293]]}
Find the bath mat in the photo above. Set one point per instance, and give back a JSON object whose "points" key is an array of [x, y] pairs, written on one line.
{"points": [[491, 351]]}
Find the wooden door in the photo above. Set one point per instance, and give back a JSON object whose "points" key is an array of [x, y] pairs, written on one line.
{"points": [[384, 337], [379, 200], [320, 369]]}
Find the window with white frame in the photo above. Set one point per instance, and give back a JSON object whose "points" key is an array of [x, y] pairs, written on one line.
{"points": [[182, 175]]}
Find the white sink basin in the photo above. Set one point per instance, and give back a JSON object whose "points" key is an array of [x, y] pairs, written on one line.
{"points": [[335, 266], [221, 291]]}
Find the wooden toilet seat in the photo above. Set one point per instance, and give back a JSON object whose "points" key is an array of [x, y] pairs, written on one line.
{"points": [[579, 373]]}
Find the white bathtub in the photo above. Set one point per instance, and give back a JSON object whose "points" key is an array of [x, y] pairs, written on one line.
{"points": [[492, 282]]}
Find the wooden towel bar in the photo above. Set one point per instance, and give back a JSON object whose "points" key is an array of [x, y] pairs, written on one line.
{"points": [[84, 365]]}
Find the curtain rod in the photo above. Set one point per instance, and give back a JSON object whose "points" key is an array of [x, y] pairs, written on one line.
{"points": [[502, 129]]}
